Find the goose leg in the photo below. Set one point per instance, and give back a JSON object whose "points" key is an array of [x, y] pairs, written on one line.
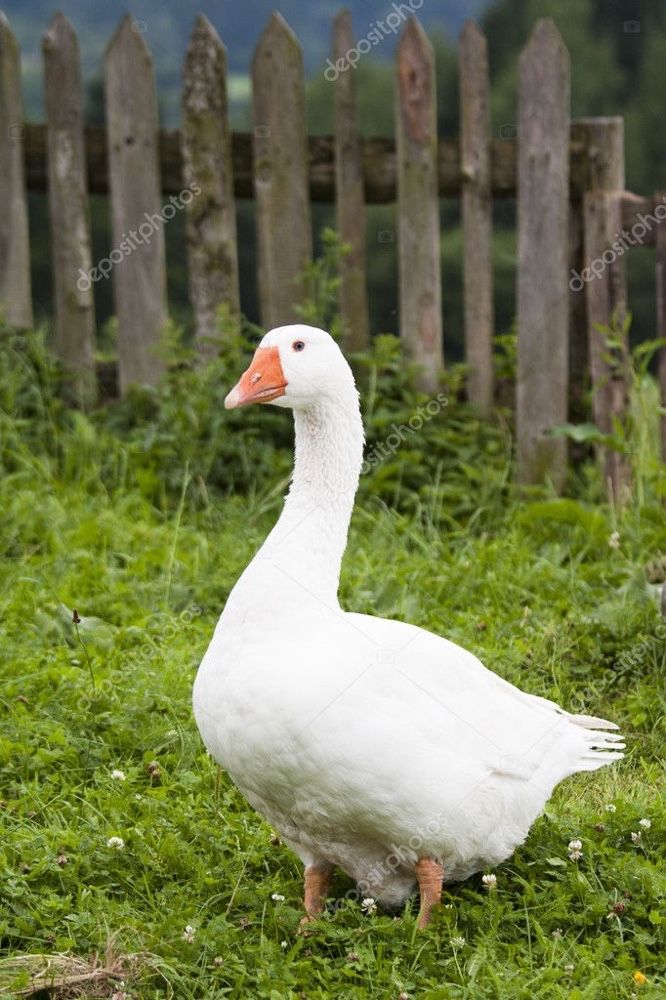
{"points": [[317, 881], [430, 876]]}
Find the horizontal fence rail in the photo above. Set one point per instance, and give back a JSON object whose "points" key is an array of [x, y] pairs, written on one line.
{"points": [[567, 178], [378, 160]]}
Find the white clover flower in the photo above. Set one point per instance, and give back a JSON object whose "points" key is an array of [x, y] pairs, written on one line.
{"points": [[115, 843], [188, 933], [118, 775], [569, 968], [575, 850], [614, 540], [635, 837], [610, 808], [458, 942], [283, 944], [278, 897], [645, 823], [368, 905], [556, 934], [489, 882]]}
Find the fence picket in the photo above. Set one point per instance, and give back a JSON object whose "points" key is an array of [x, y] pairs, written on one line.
{"points": [[606, 299], [477, 215], [69, 209], [603, 138], [207, 169], [140, 282], [349, 198], [15, 296], [543, 254], [660, 239], [284, 231], [418, 207]]}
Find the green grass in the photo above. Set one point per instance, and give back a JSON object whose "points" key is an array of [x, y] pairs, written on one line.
{"points": [[140, 519]]}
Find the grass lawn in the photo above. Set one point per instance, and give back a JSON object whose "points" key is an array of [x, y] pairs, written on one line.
{"points": [[120, 836]]}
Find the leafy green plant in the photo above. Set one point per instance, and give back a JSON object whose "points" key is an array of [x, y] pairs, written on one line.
{"points": [[635, 433], [322, 283]]}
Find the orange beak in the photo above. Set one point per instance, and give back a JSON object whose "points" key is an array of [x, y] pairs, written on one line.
{"points": [[263, 381]]}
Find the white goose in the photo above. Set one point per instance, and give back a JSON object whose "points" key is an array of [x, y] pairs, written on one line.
{"points": [[369, 744]]}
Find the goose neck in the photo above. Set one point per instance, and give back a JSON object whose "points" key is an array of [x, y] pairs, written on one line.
{"points": [[309, 540]]}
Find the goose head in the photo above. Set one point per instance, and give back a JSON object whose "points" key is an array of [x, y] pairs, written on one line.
{"points": [[294, 366]]}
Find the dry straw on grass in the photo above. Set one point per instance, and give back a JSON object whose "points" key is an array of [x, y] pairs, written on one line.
{"points": [[63, 977]]}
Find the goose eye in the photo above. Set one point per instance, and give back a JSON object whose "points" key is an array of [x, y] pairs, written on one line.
{"points": [[298, 345]]}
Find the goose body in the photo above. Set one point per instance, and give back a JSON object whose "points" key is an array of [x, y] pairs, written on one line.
{"points": [[368, 744]]}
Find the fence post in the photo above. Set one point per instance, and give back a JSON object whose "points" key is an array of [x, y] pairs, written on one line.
{"points": [[284, 230], [139, 275], [15, 297], [208, 172], [660, 239], [477, 215], [606, 292], [419, 267], [606, 299], [603, 139], [349, 192], [543, 293], [69, 209]]}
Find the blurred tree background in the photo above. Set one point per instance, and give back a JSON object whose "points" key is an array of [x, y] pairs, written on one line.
{"points": [[618, 51]]}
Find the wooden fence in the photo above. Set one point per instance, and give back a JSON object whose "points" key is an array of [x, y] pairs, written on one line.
{"points": [[567, 178]]}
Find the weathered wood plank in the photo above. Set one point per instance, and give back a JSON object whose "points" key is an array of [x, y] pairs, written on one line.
{"points": [[579, 364], [605, 290], [69, 209], [660, 236], [379, 165], [207, 170], [418, 209], [641, 218], [606, 298], [350, 196], [543, 254], [604, 139], [15, 297], [284, 229], [140, 282], [477, 215]]}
